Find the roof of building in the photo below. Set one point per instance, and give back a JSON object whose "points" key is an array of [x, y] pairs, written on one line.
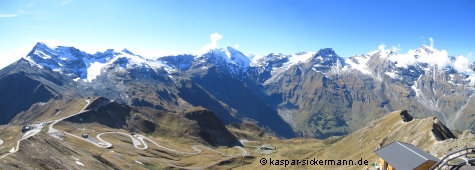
{"points": [[404, 156]]}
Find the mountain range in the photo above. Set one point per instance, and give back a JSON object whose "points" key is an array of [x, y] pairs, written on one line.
{"points": [[308, 94]]}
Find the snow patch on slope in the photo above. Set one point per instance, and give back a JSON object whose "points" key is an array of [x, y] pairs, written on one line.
{"points": [[391, 74], [79, 163], [360, 64], [94, 70], [295, 59], [292, 60]]}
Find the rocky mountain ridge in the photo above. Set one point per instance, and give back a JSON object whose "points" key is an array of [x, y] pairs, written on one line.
{"points": [[310, 94]]}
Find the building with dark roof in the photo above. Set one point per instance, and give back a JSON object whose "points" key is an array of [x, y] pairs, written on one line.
{"points": [[399, 155], [25, 129]]}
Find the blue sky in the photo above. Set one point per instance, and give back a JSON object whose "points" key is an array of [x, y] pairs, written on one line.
{"points": [[154, 27]]}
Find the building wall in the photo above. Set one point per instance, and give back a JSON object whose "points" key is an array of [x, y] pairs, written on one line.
{"points": [[426, 165], [383, 164]]}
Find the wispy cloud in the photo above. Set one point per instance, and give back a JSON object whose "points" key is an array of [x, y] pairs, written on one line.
{"points": [[66, 2], [7, 15], [30, 4], [381, 47], [9, 56], [214, 43], [236, 45]]}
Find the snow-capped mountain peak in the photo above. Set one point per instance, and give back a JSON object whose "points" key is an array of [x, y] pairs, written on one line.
{"points": [[127, 51]]}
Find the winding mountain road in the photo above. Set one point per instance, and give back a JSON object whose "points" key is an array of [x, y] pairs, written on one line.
{"points": [[37, 128], [53, 130], [137, 140]]}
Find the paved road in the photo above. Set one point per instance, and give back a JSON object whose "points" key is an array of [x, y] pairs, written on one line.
{"points": [[52, 130], [244, 141], [100, 144], [136, 142], [244, 151], [36, 128], [137, 139], [13, 150]]}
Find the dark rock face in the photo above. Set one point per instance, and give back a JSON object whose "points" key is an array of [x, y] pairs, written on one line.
{"points": [[22, 85], [440, 131], [97, 103], [238, 96], [213, 130], [406, 117]]}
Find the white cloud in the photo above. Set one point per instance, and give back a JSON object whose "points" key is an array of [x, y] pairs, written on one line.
{"points": [[470, 55], [9, 56], [398, 48], [236, 45], [431, 42], [403, 60], [381, 47], [440, 58], [7, 15], [215, 37], [30, 4], [462, 64]]}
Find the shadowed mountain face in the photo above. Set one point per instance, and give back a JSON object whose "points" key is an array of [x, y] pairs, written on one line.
{"points": [[22, 85], [309, 94]]}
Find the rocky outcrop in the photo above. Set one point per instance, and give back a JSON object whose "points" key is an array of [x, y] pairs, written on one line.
{"points": [[406, 117], [212, 129], [440, 131], [96, 102]]}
